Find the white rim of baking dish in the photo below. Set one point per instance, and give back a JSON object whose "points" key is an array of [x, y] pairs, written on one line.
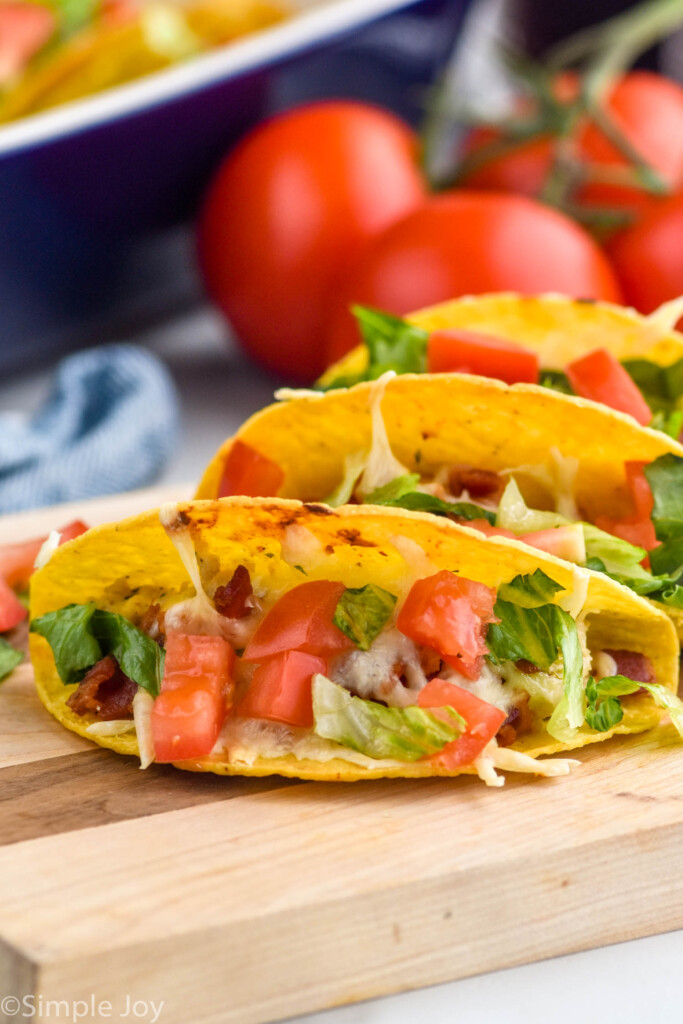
{"points": [[306, 27]]}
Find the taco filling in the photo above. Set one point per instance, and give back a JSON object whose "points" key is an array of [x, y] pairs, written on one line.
{"points": [[651, 393], [641, 548], [445, 670]]}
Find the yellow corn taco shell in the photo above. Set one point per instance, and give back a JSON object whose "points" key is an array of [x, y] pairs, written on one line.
{"points": [[434, 420], [126, 567], [558, 328]]}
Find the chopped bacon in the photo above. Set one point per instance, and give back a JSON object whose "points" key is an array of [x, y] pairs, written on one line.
{"points": [[633, 665], [152, 623], [479, 483], [105, 692], [430, 661], [527, 667], [235, 600], [519, 720]]}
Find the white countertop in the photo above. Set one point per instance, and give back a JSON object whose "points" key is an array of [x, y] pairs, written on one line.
{"points": [[636, 982]]}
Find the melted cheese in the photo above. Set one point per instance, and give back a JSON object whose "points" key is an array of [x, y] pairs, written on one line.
{"points": [[488, 687], [370, 674], [198, 614], [382, 467], [246, 740]]}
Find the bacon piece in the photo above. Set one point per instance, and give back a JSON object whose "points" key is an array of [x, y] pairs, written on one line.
{"points": [[527, 667], [235, 599], [105, 692], [152, 623], [633, 665], [519, 720], [479, 483]]}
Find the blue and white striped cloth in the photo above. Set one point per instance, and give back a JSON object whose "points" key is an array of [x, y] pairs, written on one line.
{"points": [[110, 423]]}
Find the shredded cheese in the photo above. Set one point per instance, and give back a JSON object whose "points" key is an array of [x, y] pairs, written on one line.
{"points": [[117, 727], [667, 315], [142, 718], [48, 548]]}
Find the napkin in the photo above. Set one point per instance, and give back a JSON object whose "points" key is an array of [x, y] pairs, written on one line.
{"points": [[110, 423]]}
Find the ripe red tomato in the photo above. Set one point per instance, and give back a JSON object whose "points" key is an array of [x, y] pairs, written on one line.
{"points": [[648, 257], [195, 694], [646, 108], [463, 243], [449, 613], [280, 689], [301, 621], [248, 472], [288, 214], [483, 720], [600, 377]]}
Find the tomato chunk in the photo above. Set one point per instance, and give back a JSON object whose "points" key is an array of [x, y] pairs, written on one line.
{"points": [[12, 611], [637, 528], [641, 493], [640, 532], [17, 560], [301, 621], [484, 526], [24, 29], [280, 689], [248, 472], [458, 351], [196, 692], [483, 721], [602, 378], [449, 614]]}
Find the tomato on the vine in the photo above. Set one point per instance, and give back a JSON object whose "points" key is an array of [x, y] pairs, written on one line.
{"points": [[646, 108], [463, 243], [648, 257], [288, 214]]}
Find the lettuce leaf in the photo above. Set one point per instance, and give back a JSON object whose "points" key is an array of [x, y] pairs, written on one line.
{"points": [[394, 490], [665, 477], [81, 634], [392, 344], [534, 631], [604, 708], [9, 658], [363, 612], [661, 386], [401, 734]]}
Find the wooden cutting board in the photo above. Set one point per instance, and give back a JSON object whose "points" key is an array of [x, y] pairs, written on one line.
{"points": [[251, 900]]}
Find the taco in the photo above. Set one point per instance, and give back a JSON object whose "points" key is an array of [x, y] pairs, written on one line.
{"points": [[595, 350], [251, 637], [59, 52], [563, 474]]}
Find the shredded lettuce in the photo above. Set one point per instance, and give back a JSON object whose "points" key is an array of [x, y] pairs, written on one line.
{"points": [[402, 734], [532, 630], [9, 658], [363, 612], [514, 513], [394, 490], [604, 710], [81, 634], [661, 386], [419, 501]]}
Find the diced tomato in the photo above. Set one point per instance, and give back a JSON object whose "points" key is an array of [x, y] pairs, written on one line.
{"points": [[280, 689], [483, 721], [12, 611], [641, 493], [24, 29], [17, 560], [562, 541], [196, 693], [602, 378], [301, 621], [449, 614], [248, 472], [457, 351], [484, 526], [640, 532]]}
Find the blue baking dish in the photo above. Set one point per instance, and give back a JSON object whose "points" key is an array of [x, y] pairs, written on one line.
{"points": [[92, 193]]}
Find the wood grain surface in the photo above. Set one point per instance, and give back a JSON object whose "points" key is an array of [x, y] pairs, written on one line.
{"points": [[244, 901]]}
